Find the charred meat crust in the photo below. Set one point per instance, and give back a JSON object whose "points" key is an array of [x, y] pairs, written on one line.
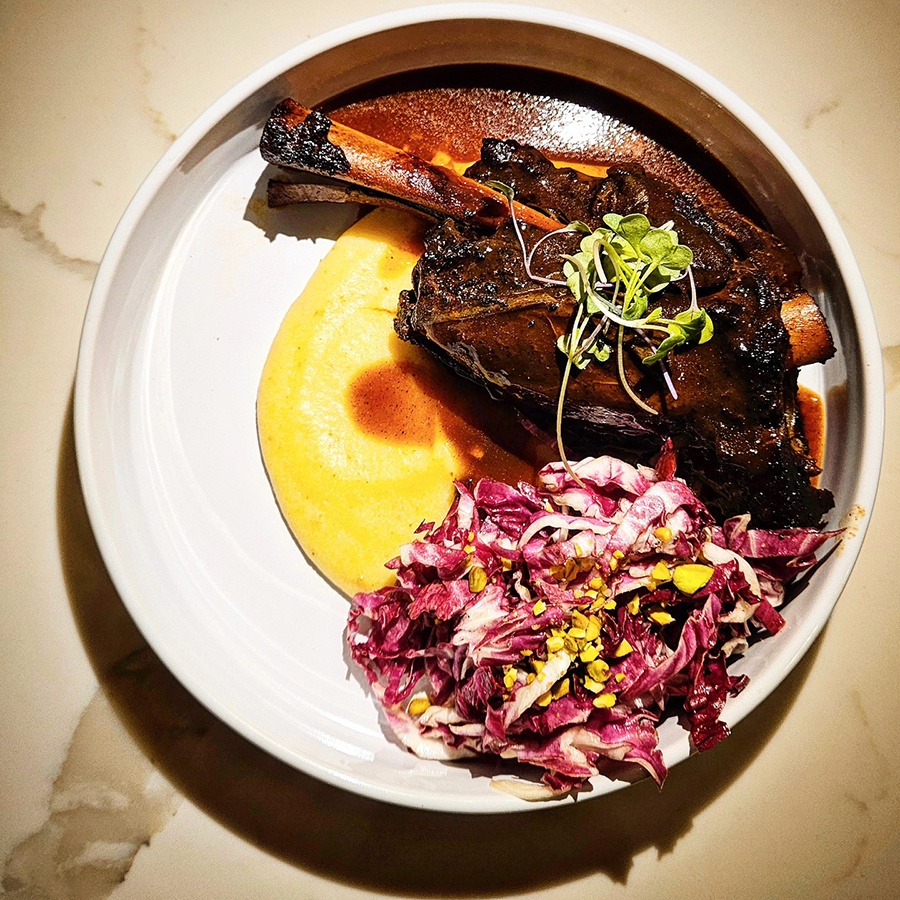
{"points": [[735, 419], [302, 145]]}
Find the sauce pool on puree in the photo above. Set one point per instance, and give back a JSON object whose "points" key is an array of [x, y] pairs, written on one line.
{"points": [[361, 434]]}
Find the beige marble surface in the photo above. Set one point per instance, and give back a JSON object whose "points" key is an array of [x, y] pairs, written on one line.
{"points": [[115, 782]]}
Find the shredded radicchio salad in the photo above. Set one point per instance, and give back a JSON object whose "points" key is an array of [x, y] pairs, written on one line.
{"points": [[558, 625]]}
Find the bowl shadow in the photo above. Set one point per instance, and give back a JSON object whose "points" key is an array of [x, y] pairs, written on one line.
{"points": [[352, 839]]}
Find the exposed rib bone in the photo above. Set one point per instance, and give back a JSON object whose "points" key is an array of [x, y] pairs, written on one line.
{"points": [[298, 138], [306, 140]]}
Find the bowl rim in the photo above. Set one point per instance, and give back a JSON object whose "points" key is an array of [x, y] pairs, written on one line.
{"points": [[870, 441]]}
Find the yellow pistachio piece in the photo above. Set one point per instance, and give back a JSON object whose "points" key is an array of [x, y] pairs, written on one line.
{"points": [[593, 686], [590, 653], [620, 677], [477, 579], [509, 678], [579, 620], [610, 604], [598, 670], [662, 618], [624, 649], [539, 607], [418, 705], [604, 701], [690, 577], [561, 689], [544, 699], [660, 572], [592, 632], [578, 633], [595, 584], [634, 606], [555, 643], [663, 533]]}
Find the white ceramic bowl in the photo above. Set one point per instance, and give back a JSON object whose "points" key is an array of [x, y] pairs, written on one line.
{"points": [[187, 300]]}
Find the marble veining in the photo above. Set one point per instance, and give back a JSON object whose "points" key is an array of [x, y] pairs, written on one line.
{"points": [[28, 225], [145, 39], [891, 356], [107, 802], [820, 111]]}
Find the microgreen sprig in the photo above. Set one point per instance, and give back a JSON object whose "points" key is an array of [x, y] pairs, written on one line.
{"points": [[613, 276]]}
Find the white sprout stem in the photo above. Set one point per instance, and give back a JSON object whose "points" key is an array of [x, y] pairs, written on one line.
{"points": [[559, 420], [668, 380], [620, 358], [526, 256], [530, 257], [517, 229], [662, 364]]}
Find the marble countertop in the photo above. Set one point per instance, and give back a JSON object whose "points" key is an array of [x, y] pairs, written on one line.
{"points": [[115, 782]]}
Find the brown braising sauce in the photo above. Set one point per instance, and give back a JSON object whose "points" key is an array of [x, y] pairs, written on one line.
{"points": [[812, 412], [444, 114]]}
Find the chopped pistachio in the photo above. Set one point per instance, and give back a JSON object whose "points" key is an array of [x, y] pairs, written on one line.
{"points": [[624, 649], [604, 701], [690, 577], [662, 618], [660, 572], [418, 705], [555, 643], [598, 670], [579, 620], [539, 607], [477, 579]]}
